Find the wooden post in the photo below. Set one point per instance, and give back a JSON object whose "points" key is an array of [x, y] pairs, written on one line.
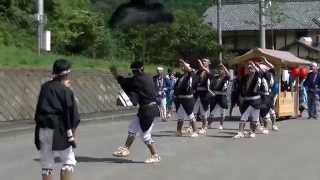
{"points": [[279, 90], [297, 98], [262, 24]]}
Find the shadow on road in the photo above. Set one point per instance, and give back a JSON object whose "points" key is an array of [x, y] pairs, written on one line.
{"points": [[220, 136], [56, 160], [165, 134], [87, 159], [106, 160], [228, 118], [231, 129], [226, 134]]}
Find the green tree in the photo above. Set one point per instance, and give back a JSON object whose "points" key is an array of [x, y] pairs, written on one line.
{"points": [[193, 38], [187, 37], [16, 21], [81, 27], [199, 6], [76, 29]]}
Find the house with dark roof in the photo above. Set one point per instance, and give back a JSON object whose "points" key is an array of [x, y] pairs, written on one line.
{"points": [[289, 21], [305, 49]]}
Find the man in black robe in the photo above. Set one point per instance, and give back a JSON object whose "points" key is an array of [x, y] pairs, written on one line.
{"points": [[202, 95], [234, 93], [219, 101], [266, 109], [250, 100], [56, 119], [141, 90], [184, 100]]}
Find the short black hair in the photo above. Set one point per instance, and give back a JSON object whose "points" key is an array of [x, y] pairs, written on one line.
{"points": [[136, 65], [61, 65]]}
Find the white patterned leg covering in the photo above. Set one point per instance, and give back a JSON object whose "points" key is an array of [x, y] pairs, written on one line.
{"points": [[66, 172]]}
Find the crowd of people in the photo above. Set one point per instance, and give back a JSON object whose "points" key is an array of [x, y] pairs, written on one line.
{"points": [[199, 94], [196, 91]]}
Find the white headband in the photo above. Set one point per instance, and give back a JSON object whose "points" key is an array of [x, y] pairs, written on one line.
{"points": [[63, 73]]}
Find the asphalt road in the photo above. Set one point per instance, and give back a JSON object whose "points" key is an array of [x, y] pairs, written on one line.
{"points": [[292, 153]]}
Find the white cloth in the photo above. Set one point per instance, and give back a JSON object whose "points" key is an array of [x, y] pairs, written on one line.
{"points": [[218, 111], [199, 107], [183, 116], [251, 112], [135, 128], [47, 155], [285, 75], [163, 108]]}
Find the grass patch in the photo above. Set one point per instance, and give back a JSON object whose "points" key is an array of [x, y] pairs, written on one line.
{"points": [[16, 58]]}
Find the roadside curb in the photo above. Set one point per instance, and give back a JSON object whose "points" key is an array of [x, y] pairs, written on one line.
{"points": [[10, 128]]}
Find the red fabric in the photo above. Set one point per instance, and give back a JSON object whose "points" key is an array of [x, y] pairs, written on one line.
{"points": [[242, 71], [295, 72], [303, 73]]}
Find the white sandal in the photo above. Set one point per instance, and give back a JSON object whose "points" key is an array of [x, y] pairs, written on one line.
{"points": [[121, 152]]}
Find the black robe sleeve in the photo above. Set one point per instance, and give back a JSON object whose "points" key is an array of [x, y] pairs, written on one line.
{"points": [[128, 87], [36, 118], [71, 111], [195, 80]]}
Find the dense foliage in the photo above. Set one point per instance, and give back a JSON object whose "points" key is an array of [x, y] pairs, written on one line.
{"points": [[187, 37], [16, 24], [80, 27]]}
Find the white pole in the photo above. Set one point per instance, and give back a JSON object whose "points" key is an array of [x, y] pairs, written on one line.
{"points": [[47, 41], [40, 18]]}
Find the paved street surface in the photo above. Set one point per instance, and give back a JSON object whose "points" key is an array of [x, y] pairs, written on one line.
{"points": [[292, 153]]}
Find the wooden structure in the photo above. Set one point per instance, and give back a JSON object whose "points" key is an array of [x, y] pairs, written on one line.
{"points": [[288, 101]]}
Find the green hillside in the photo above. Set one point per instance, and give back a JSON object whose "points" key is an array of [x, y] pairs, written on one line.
{"points": [[80, 28], [17, 58]]}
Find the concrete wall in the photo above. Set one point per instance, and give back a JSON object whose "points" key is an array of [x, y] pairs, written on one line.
{"points": [[95, 92]]}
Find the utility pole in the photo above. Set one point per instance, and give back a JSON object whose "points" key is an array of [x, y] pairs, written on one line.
{"points": [[40, 18], [219, 29], [262, 23]]}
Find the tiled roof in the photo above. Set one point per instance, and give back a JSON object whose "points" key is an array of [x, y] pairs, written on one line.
{"points": [[239, 17]]}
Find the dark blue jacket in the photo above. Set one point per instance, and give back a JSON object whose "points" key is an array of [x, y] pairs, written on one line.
{"points": [[313, 81]]}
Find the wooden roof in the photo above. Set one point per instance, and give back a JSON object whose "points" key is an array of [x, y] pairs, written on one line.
{"points": [[276, 57]]}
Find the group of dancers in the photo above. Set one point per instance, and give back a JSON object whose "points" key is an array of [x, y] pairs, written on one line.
{"points": [[200, 91], [200, 94], [195, 91]]}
